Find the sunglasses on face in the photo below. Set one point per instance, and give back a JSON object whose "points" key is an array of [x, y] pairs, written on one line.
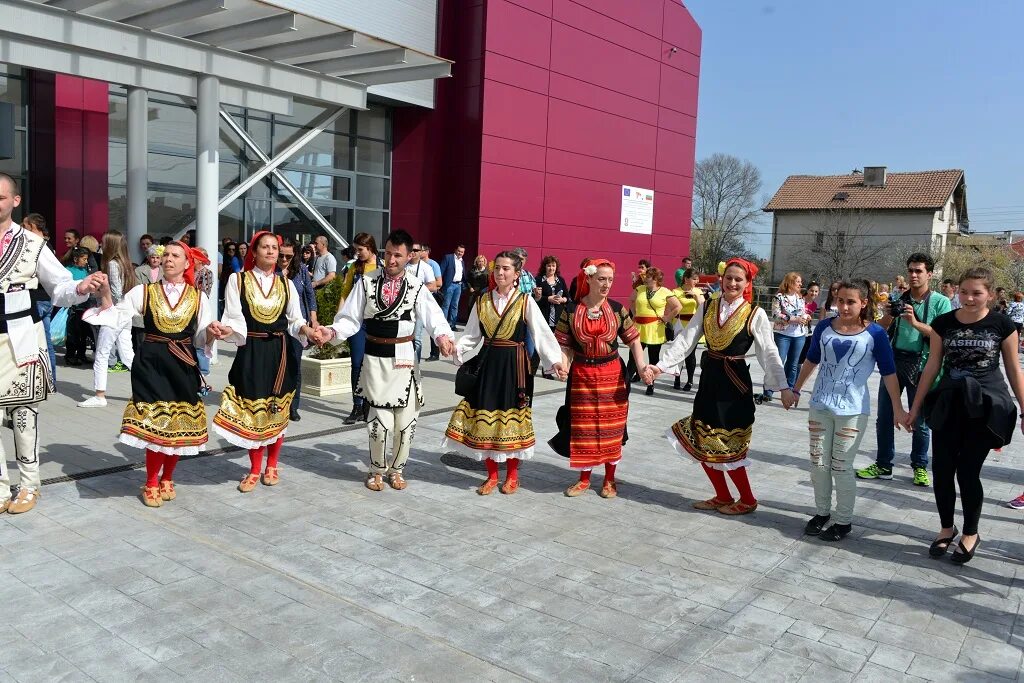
{"points": [[285, 256]]}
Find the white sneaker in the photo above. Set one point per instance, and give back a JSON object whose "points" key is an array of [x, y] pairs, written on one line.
{"points": [[93, 402]]}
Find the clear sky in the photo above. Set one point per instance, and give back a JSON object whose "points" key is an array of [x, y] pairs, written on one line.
{"points": [[821, 87]]}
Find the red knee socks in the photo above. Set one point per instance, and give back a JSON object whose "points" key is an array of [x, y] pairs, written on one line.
{"points": [[255, 460], [584, 476], [492, 469], [739, 478], [512, 465], [717, 478], [609, 473], [170, 462], [274, 450], [153, 462]]}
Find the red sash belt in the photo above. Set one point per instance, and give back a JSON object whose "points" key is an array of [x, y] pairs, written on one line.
{"points": [[646, 319], [178, 347], [522, 360], [730, 371]]}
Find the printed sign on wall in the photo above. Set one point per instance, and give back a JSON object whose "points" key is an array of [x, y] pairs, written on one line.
{"points": [[637, 210]]}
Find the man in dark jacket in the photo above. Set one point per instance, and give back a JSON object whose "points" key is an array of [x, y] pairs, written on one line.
{"points": [[299, 276]]}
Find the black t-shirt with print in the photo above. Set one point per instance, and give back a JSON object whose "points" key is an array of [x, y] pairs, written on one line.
{"points": [[973, 348]]}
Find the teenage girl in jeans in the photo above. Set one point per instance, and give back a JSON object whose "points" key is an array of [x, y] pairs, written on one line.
{"points": [[845, 350], [970, 411]]}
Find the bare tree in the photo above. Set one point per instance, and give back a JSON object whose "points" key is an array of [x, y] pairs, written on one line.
{"points": [[725, 205], [842, 246]]}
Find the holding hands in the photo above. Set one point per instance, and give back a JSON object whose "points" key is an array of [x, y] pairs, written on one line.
{"points": [[649, 374], [446, 346], [218, 330], [92, 283], [320, 335]]}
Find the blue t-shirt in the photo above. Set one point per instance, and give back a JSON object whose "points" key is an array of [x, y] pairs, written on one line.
{"points": [[845, 361], [434, 266]]}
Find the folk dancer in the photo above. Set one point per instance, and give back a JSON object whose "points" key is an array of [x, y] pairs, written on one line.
{"points": [[592, 423], [166, 416], [717, 434], [389, 302], [494, 422], [26, 378], [261, 309]]}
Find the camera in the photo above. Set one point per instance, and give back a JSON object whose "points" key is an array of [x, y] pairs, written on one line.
{"points": [[896, 306]]}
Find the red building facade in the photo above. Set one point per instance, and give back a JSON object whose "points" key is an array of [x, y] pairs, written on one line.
{"points": [[553, 107]]}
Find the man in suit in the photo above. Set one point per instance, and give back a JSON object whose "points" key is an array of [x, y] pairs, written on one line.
{"points": [[453, 273]]}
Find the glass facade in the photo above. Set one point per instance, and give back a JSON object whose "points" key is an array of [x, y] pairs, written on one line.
{"points": [[345, 171], [13, 90]]}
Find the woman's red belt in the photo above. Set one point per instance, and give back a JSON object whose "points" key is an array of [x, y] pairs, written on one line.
{"points": [[730, 372], [646, 319]]}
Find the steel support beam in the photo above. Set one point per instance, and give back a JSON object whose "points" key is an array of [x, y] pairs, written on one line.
{"points": [[367, 61], [402, 74], [249, 31], [138, 168], [286, 184], [345, 40], [175, 14]]}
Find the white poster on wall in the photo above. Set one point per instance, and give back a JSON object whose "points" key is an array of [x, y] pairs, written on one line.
{"points": [[637, 210]]}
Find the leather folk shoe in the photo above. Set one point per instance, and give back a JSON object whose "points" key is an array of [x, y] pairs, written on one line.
{"points": [[24, 501]]}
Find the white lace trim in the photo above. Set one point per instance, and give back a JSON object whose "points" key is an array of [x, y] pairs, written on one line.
{"points": [[591, 468], [236, 440], [723, 466], [497, 456], [136, 442]]}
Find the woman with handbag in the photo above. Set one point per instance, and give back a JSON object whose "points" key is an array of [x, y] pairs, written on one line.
{"points": [[655, 309], [552, 293], [789, 326], [592, 423], [691, 298], [494, 420]]}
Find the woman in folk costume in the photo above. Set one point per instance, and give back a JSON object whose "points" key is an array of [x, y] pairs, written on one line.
{"points": [[260, 309], [654, 309], [165, 416], [717, 434], [592, 423], [494, 423]]}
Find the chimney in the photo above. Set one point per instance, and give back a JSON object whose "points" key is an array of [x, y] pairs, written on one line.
{"points": [[874, 176]]}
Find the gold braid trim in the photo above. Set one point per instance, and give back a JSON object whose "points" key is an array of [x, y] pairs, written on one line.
{"points": [[489, 317], [719, 338], [267, 309], [712, 444], [253, 419], [168, 319], [167, 423], [492, 430]]}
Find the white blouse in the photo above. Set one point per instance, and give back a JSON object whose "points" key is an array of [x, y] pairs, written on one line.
{"points": [[234, 318], [120, 315], [547, 346], [674, 354]]}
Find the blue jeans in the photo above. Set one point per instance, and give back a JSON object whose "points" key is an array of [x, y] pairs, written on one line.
{"points": [[789, 351], [885, 432], [44, 308], [450, 305], [204, 362], [357, 347]]}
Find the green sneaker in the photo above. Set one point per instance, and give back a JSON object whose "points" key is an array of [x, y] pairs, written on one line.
{"points": [[873, 471], [921, 477], [118, 367]]}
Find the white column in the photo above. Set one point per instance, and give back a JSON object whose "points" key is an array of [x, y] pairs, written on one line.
{"points": [[138, 170], [207, 169]]}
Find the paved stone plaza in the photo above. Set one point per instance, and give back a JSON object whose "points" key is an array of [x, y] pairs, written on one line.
{"points": [[321, 579]]}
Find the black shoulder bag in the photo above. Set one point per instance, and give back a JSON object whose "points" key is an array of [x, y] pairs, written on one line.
{"points": [[468, 374]]}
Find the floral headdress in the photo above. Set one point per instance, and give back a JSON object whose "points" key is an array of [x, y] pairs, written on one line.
{"points": [[589, 268]]}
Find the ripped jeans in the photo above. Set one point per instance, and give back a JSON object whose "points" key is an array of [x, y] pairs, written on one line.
{"points": [[834, 443]]}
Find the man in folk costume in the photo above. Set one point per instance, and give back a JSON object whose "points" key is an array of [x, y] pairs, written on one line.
{"points": [[389, 303], [26, 263]]}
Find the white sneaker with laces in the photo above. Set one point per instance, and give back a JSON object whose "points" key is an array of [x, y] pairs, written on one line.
{"points": [[93, 402]]}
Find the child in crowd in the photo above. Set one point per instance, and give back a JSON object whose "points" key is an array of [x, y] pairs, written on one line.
{"points": [[74, 350], [846, 350]]}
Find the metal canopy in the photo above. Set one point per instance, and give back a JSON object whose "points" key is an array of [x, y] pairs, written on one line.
{"points": [[262, 54]]}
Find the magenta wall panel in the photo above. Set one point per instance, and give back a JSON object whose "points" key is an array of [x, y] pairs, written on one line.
{"points": [[576, 99], [80, 155], [517, 32], [510, 71]]}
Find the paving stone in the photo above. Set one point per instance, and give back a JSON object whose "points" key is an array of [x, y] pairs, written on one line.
{"points": [[780, 667], [875, 673], [823, 654], [924, 644], [892, 657], [757, 624], [987, 655], [736, 655]]}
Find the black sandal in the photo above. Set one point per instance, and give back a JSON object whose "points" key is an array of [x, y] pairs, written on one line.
{"points": [[965, 555], [939, 546]]}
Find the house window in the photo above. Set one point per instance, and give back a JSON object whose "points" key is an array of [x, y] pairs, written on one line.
{"points": [[841, 242], [936, 244], [819, 240]]}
